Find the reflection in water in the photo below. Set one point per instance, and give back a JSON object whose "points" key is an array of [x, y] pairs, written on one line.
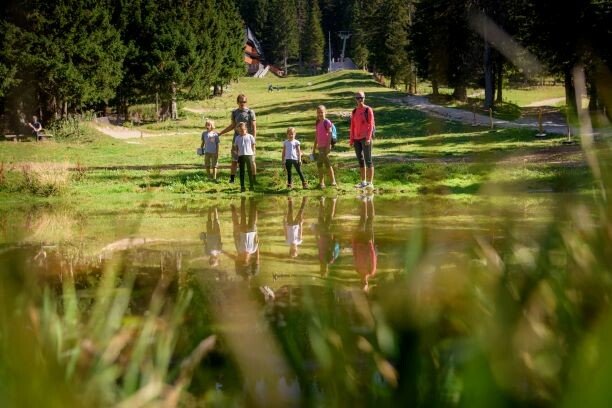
{"points": [[212, 237], [364, 252], [246, 240], [459, 290], [294, 226], [327, 243]]}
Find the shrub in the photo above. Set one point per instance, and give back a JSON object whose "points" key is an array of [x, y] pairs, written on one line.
{"points": [[44, 179]]}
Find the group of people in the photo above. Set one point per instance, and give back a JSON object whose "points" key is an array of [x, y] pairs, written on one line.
{"points": [[246, 237], [244, 125]]}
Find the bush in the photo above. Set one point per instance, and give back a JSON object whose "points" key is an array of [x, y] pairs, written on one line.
{"points": [[44, 179]]}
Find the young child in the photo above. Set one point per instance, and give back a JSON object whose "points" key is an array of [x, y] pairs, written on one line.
{"points": [[292, 156], [210, 145], [244, 148], [323, 138]]}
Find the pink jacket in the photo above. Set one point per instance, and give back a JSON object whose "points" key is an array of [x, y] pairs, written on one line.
{"points": [[360, 127]]}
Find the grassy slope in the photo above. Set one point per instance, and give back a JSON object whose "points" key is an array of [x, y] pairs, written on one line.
{"points": [[166, 168]]}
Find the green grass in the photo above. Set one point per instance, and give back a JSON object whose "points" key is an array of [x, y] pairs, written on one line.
{"points": [[167, 167]]}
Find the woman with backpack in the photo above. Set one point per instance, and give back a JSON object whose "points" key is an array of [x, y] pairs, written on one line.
{"points": [[362, 130], [323, 142]]}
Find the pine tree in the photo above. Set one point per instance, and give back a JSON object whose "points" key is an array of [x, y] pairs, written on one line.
{"points": [[359, 39], [282, 37], [314, 40], [67, 52]]}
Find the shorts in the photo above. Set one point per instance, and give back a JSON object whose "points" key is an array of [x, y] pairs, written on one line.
{"points": [[210, 160], [323, 157]]}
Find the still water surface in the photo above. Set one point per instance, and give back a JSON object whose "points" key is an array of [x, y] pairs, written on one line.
{"points": [[329, 299]]}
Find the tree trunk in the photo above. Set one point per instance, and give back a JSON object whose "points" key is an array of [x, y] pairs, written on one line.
{"points": [[434, 87], [500, 80], [460, 93], [488, 73], [174, 108], [570, 93]]}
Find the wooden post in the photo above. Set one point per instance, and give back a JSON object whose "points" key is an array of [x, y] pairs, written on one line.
{"points": [[540, 128]]}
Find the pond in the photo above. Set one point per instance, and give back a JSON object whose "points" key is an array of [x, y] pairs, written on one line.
{"points": [[308, 300]]}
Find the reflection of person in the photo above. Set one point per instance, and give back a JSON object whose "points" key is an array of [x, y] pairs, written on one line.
{"points": [[293, 227], [36, 127], [323, 140], [245, 239], [362, 130], [328, 245], [210, 144], [244, 148], [364, 253], [212, 237], [246, 115]]}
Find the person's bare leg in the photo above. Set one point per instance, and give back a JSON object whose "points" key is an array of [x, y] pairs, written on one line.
{"points": [[362, 173], [214, 173], [370, 174], [233, 168], [332, 177]]}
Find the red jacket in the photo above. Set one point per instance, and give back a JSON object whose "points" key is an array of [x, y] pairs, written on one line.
{"points": [[360, 127]]}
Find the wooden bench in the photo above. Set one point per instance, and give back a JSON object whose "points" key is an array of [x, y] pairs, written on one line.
{"points": [[19, 136]]}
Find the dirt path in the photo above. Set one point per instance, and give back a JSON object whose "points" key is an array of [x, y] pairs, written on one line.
{"points": [[119, 132], [545, 102], [421, 103]]}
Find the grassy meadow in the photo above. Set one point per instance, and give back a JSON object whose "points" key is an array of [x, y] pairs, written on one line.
{"points": [[413, 153]]}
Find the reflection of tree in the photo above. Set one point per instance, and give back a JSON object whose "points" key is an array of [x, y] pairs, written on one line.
{"points": [[364, 253], [327, 243], [294, 227]]}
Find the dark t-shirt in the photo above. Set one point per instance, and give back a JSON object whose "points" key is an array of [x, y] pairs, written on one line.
{"points": [[247, 116]]}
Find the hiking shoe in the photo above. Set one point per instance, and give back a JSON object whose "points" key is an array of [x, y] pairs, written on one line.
{"points": [[289, 185], [370, 186], [361, 185], [304, 185], [232, 178], [251, 188], [321, 186], [242, 189]]}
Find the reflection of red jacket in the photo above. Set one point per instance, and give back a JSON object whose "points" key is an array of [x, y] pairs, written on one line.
{"points": [[365, 257]]}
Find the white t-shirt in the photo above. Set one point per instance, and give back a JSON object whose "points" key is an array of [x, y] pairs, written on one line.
{"points": [[247, 242], [291, 149], [293, 234], [245, 144]]}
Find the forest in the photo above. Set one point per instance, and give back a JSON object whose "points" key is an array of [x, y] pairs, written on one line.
{"points": [[68, 56]]}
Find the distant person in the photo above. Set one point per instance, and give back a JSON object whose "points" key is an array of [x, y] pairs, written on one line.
{"points": [[212, 237], [246, 239], [323, 142], [362, 130], [364, 252], [244, 149], [246, 115], [36, 127], [327, 243], [294, 227], [292, 157], [210, 145]]}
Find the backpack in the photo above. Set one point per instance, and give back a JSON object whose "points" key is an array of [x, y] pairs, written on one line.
{"points": [[334, 132], [366, 113]]}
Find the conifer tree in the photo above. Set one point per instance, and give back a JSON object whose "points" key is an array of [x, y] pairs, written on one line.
{"points": [[314, 40], [282, 34]]}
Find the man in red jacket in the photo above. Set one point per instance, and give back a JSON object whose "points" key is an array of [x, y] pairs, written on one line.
{"points": [[362, 129]]}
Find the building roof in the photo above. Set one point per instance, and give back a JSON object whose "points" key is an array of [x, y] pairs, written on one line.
{"points": [[250, 37]]}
